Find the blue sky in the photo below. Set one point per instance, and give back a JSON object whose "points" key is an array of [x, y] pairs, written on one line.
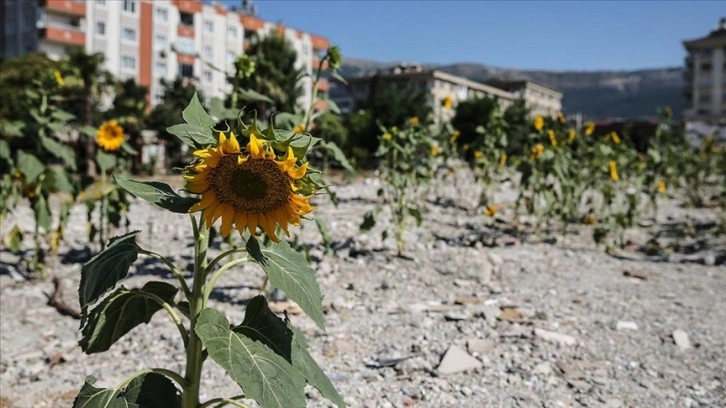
{"points": [[555, 35]]}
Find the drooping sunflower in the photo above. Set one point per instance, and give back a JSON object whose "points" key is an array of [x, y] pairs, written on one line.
{"points": [[448, 102], [538, 123], [589, 128], [553, 137], [110, 135], [613, 165], [248, 189]]}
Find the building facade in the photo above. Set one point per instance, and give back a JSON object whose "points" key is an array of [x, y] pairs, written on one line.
{"points": [[439, 85], [151, 40], [705, 75]]}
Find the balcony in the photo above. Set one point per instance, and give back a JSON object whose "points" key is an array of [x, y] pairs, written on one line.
{"points": [[63, 34], [69, 7], [184, 30]]}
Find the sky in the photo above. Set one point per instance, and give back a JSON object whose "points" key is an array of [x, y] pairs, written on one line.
{"points": [[551, 35]]}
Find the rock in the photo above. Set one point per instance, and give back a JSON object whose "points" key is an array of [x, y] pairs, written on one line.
{"points": [[681, 339], [458, 315], [456, 360], [554, 337], [709, 259], [636, 274], [510, 314], [494, 258], [480, 346], [544, 369], [467, 300], [622, 326]]}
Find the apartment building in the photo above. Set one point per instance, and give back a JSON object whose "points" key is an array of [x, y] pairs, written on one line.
{"points": [[151, 40], [539, 98], [705, 75], [439, 85]]}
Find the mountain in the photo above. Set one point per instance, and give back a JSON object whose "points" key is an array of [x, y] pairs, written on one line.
{"points": [[596, 94]]}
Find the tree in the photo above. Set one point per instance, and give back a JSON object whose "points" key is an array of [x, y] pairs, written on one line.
{"points": [[275, 76], [393, 104], [17, 75], [176, 97], [471, 114], [129, 108], [519, 125]]}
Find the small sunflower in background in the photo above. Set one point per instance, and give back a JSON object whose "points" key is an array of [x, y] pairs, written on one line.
{"points": [[248, 189], [615, 137], [661, 186], [491, 210], [571, 134], [538, 122], [59, 78], [414, 121], [435, 151], [613, 165], [536, 150], [299, 129], [561, 118], [589, 128], [553, 137], [110, 136], [448, 102]]}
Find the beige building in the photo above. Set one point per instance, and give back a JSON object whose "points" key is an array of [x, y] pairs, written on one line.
{"points": [[539, 98], [705, 76], [439, 85], [151, 40]]}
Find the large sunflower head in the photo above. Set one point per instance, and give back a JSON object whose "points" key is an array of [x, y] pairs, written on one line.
{"points": [[248, 188], [110, 136]]}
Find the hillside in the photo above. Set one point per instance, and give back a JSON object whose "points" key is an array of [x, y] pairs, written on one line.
{"points": [[597, 94]]}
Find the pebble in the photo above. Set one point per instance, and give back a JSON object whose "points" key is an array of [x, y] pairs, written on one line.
{"points": [[456, 360], [623, 325], [680, 337], [554, 337]]}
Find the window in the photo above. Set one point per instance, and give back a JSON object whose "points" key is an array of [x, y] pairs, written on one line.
{"points": [[186, 70], [208, 26], [130, 6], [208, 52], [231, 56], [100, 28], [160, 68], [185, 45], [128, 62], [101, 2], [160, 42], [232, 31], [706, 52], [186, 19], [208, 76], [129, 34], [706, 66], [706, 98], [162, 14]]}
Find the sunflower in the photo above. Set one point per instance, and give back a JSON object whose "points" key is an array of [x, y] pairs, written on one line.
{"points": [[455, 136], [503, 159], [571, 134], [299, 129], [615, 137], [553, 137], [661, 186], [536, 150], [247, 189], [387, 136], [448, 102], [589, 128], [110, 136], [538, 123], [478, 154], [561, 118], [414, 121], [491, 210], [435, 151], [59, 78], [614, 170]]}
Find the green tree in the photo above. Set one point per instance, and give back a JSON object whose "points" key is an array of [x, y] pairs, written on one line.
{"points": [[519, 125], [275, 76], [17, 76], [472, 114], [176, 97], [392, 104], [129, 108]]}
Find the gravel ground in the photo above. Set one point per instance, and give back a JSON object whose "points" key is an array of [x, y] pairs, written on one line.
{"points": [[525, 322]]}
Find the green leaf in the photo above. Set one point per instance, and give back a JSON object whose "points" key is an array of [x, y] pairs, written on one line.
{"points": [[195, 115], [338, 154], [250, 95], [149, 390], [120, 312], [260, 324], [337, 76], [263, 375], [288, 270], [5, 150], [62, 115], [217, 108], [14, 239], [303, 361], [192, 136], [59, 150], [332, 106], [89, 131], [126, 147], [104, 270], [12, 129], [42, 213], [105, 160], [58, 180], [29, 165], [157, 193]]}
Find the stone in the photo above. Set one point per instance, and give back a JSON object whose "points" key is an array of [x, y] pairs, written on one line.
{"points": [[457, 315], [480, 346], [636, 274], [510, 314], [554, 337], [544, 369], [624, 325], [680, 337], [456, 360], [467, 300], [495, 259]]}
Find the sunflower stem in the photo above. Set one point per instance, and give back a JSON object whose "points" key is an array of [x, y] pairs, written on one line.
{"points": [[174, 270], [193, 372], [219, 272], [224, 255]]}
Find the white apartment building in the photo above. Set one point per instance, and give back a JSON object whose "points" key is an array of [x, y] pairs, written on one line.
{"points": [[705, 76], [151, 40], [439, 85]]}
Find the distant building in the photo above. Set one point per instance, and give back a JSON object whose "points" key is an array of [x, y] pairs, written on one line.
{"points": [[439, 85], [150, 40], [705, 76], [539, 98]]}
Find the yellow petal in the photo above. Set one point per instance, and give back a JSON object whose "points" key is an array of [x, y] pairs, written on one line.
{"points": [[252, 223], [227, 220], [299, 172], [197, 187], [254, 147], [240, 220], [232, 145], [222, 140], [207, 199]]}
